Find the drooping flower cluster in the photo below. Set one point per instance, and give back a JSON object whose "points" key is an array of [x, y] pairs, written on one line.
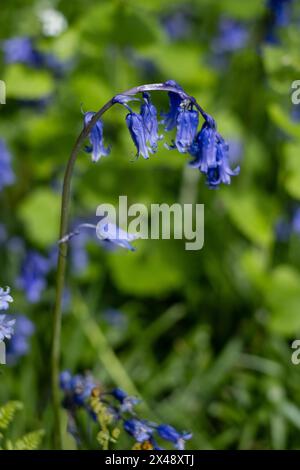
{"points": [[232, 36], [7, 176], [6, 324], [280, 17], [115, 410], [207, 147]]}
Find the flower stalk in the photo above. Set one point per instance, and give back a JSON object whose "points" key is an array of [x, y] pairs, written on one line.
{"points": [[173, 89]]}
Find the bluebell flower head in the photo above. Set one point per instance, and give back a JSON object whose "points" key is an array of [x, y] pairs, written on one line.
{"points": [[138, 132], [6, 327], [170, 118], [149, 116], [177, 25], [168, 433], [97, 148], [5, 298], [187, 124], [211, 156], [7, 176], [82, 387], [140, 430], [19, 344], [127, 402], [32, 278]]}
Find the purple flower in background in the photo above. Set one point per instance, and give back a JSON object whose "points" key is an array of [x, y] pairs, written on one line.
{"points": [[7, 176], [6, 327], [19, 344], [187, 124], [115, 317], [78, 387], [281, 11], [296, 221], [140, 430], [149, 116], [23, 51], [177, 25], [5, 298], [32, 278], [97, 148], [232, 35], [168, 433]]}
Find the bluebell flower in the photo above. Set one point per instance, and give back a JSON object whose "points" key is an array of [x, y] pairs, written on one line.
{"points": [[32, 278], [6, 327], [168, 433], [5, 298], [82, 387], [211, 156], [138, 132], [97, 148], [232, 36], [7, 176], [140, 430], [65, 381], [127, 402], [149, 116], [114, 235], [115, 317], [283, 230], [187, 124], [170, 118], [19, 344]]}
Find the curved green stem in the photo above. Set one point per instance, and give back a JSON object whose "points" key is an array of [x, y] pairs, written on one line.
{"points": [[64, 221]]}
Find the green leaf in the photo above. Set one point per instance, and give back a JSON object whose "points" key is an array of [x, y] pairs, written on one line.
{"points": [[24, 83], [30, 441], [7, 413], [290, 171], [40, 215], [282, 298], [283, 121], [253, 214]]}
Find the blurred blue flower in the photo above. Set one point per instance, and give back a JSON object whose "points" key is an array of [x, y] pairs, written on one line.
{"points": [[281, 10], [211, 156], [5, 298], [6, 327], [149, 116], [32, 278], [127, 403], [19, 344], [22, 50], [168, 433], [296, 221], [177, 25], [187, 124], [115, 317], [7, 176], [232, 35], [140, 430], [112, 234], [97, 148]]}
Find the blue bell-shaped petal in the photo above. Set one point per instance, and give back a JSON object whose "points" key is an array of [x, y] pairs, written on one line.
{"points": [[97, 148]]}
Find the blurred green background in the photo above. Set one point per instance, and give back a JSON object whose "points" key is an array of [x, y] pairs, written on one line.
{"points": [[203, 337]]}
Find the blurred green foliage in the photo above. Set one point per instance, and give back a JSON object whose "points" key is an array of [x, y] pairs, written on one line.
{"points": [[206, 335]]}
